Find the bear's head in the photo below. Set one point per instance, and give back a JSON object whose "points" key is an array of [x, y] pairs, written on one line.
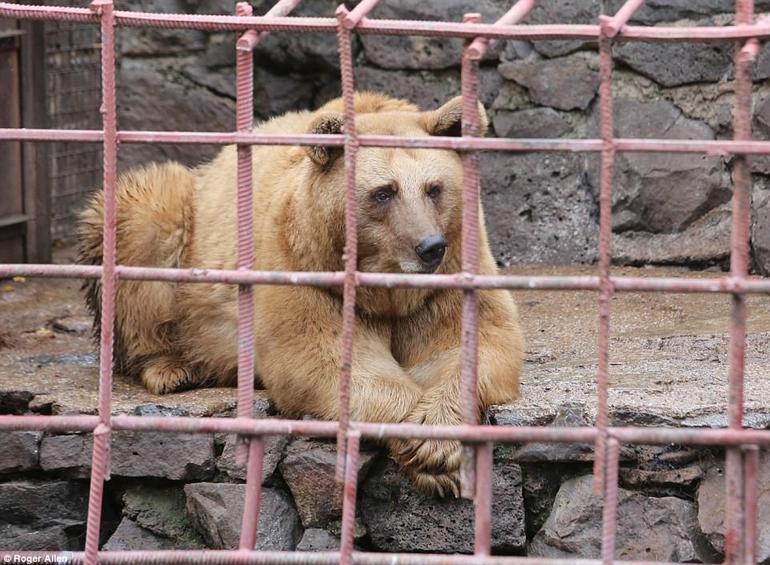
{"points": [[409, 200]]}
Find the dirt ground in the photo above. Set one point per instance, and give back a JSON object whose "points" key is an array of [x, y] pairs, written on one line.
{"points": [[668, 355]]}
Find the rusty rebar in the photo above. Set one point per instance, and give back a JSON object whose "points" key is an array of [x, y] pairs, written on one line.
{"points": [[350, 254], [739, 262], [605, 253]]}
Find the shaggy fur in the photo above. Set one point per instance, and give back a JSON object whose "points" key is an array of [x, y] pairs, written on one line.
{"points": [[406, 359]]}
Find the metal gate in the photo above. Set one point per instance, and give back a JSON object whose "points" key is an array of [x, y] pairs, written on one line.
{"points": [[742, 444]]}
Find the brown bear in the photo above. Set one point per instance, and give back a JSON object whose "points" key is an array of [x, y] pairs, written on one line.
{"points": [[406, 359]]}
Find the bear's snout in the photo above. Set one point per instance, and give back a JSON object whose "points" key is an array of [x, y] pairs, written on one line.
{"points": [[431, 251]]}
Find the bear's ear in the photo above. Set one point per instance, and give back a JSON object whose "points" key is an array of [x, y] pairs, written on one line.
{"points": [[331, 123], [447, 120]]}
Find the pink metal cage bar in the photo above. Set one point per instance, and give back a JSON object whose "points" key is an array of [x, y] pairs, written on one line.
{"points": [[742, 444]]}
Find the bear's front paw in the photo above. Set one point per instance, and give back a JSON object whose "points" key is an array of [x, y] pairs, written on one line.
{"points": [[433, 465]]}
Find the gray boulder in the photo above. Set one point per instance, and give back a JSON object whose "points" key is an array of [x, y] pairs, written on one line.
{"points": [[315, 539], [560, 12], [159, 511], [19, 451], [129, 536], [539, 207], [274, 449], [400, 519], [566, 83], [711, 508], [705, 241], [760, 228], [532, 122], [302, 51], [151, 99], [675, 64], [216, 510], [649, 528], [414, 52], [661, 192], [36, 515], [187, 457], [309, 469]]}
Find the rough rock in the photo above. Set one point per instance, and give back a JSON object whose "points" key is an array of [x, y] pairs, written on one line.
{"points": [[37, 515], [566, 83], [308, 469], [540, 483], [567, 416], [534, 122], [671, 481], [538, 207], [149, 100], [160, 511], [154, 42], [761, 163], [130, 537], [705, 241], [675, 64], [302, 51], [760, 228], [274, 449], [649, 528], [19, 451], [426, 90], [216, 510], [188, 457], [315, 539], [661, 192], [399, 519], [511, 97], [659, 11], [559, 12], [762, 66], [413, 52], [711, 507]]}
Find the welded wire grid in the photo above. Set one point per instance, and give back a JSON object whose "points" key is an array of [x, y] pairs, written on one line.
{"points": [[742, 444]]}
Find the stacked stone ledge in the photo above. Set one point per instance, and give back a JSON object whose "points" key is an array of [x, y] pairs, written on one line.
{"points": [[170, 492]]}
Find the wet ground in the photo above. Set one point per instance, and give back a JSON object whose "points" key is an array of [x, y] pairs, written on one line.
{"points": [[668, 356]]}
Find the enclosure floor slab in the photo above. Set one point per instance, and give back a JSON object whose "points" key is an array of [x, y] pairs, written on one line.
{"points": [[668, 356]]}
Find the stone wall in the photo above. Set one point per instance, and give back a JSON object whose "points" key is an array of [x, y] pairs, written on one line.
{"points": [[667, 209], [187, 492]]}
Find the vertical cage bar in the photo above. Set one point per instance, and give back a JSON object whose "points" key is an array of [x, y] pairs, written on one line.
{"points": [[610, 509], [251, 504], [471, 126], [482, 502], [739, 261], [100, 461], [349, 498], [605, 250], [244, 118], [350, 256], [750, 502]]}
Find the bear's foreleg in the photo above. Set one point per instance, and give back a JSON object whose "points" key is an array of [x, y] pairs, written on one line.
{"points": [[299, 358], [435, 463]]}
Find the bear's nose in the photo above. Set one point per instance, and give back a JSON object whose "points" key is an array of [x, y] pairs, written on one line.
{"points": [[431, 250]]}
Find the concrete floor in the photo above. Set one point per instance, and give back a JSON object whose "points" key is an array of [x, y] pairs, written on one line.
{"points": [[668, 356]]}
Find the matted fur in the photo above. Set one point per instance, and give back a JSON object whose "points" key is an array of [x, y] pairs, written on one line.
{"points": [[406, 359]]}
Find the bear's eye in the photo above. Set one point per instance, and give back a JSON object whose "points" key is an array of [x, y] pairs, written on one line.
{"points": [[384, 194], [434, 190]]}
